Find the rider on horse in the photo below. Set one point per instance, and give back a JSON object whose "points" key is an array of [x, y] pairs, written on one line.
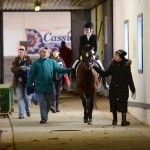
{"points": [[89, 39]]}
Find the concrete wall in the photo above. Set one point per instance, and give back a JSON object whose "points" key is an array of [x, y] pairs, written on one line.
{"points": [[97, 18], [108, 32], [1, 49], [100, 31], [129, 10], [101, 16]]}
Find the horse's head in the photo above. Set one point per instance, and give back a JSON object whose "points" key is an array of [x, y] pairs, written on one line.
{"points": [[87, 56]]}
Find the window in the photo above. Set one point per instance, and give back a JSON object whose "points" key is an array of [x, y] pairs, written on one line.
{"points": [[140, 43], [126, 37]]}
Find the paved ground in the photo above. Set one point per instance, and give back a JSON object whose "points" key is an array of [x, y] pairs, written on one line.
{"points": [[66, 130]]}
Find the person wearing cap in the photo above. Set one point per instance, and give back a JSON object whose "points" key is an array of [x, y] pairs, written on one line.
{"points": [[42, 74], [89, 39], [20, 66], [57, 77], [121, 79]]}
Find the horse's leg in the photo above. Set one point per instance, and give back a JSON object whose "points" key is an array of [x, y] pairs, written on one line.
{"points": [[84, 103], [90, 110]]}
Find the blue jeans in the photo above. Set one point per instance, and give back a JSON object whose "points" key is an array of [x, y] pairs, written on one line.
{"points": [[24, 100], [45, 101]]}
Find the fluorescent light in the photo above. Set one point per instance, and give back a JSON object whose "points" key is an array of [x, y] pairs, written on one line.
{"points": [[37, 5], [37, 8]]}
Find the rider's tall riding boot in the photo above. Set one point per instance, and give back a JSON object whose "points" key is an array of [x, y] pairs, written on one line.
{"points": [[105, 83], [73, 73]]}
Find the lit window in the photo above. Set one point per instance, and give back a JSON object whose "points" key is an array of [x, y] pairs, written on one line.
{"points": [[126, 37], [140, 43]]}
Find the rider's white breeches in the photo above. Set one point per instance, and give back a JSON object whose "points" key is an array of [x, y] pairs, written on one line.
{"points": [[74, 64], [99, 62]]}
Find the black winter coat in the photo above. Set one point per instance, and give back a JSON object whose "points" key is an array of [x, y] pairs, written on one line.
{"points": [[121, 80], [92, 42]]}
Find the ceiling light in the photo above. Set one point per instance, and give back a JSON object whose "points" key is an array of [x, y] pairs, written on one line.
{"points": [[37, 5]]}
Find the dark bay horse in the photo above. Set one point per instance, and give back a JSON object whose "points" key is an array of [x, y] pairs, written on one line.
{"points": [[87, 83]]}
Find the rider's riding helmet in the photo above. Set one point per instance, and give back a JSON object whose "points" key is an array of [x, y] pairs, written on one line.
{"points": [[88, 25]]}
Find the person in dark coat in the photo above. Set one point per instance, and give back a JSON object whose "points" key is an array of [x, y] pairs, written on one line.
{"points": [[64, 53], [121, 79], [89, 39]]}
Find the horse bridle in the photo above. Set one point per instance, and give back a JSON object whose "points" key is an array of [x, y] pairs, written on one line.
{"points": [[87, 58], [88, 66]]}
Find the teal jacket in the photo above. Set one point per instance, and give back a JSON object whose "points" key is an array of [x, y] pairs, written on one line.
{"points": [[41, 74]]}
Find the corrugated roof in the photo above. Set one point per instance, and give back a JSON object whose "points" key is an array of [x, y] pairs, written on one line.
{"points": [[46, 5]]}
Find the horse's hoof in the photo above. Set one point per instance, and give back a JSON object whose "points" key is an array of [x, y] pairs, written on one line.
{"points": [[114, 122], [90, 122], [85, 120]]}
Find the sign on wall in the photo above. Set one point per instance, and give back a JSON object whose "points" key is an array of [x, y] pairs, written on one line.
{"points": [[37, 29], [49, 38]]}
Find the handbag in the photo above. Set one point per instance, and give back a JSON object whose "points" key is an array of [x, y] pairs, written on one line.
{"points": [[67, 81]]}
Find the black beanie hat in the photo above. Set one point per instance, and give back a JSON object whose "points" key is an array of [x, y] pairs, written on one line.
{"points": [[55, 49], [121, 53], [88, 25]]}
